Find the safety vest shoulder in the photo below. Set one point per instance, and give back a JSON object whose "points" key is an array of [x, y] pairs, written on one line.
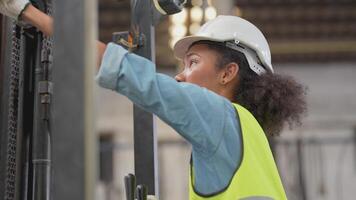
{"points": [[257, 175]]}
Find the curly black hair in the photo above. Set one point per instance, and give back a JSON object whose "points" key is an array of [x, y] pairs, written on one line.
{"points": [[273, 99]]}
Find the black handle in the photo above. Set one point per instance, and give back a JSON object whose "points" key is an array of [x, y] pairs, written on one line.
{"points": [[130, 184], [141, 192]]}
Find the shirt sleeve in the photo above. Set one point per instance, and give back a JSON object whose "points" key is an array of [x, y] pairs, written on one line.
{"points": [[194, 112]]}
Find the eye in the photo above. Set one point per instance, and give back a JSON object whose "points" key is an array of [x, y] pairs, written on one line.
{"points": [[193, 62]]}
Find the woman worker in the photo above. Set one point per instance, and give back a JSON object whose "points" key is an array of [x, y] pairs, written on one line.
{"points": [[225, 103]]}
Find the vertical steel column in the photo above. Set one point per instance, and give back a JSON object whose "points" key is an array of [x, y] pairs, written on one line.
{"points": [[31, 39], [74, 142], [144, 128]]}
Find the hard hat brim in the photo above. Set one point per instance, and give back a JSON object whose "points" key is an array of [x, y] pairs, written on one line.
{"points": [[181, 46]]}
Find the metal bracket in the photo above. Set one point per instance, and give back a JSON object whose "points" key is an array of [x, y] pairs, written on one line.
{"points": [[131, 40], [46, 56], [45, 87]]}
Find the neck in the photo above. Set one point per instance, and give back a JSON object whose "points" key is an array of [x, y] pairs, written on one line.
{"points": [[228, 95], [227, 92]]}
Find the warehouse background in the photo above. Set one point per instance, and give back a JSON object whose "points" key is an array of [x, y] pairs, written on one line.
{"points": [[312, 40]]}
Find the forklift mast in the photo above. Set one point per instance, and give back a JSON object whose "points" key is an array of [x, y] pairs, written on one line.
{"points": [[25, 102], [47, 140]]}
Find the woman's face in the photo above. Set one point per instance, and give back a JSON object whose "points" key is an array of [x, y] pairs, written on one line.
{"points": [[199, 67]]}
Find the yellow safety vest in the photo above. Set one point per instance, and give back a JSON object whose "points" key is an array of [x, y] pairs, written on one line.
{"points": [[257, 176]]}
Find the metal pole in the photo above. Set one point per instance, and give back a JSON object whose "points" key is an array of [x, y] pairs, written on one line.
{"points": [[141, 40], [145, 141], [41, 145], [74, 142], [30, 49]]}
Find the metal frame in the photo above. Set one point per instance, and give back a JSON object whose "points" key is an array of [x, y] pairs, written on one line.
{"points": [[25, 131]]}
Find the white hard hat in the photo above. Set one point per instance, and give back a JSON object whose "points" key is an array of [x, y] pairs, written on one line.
{"points": [[238, 34]]}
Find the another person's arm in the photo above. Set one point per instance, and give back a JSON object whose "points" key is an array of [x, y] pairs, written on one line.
{"points": [[44, 23], [38, 19], [23, 10]]}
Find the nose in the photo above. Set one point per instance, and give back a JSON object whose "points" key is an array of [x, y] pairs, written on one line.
{"points": [[180, 77]]}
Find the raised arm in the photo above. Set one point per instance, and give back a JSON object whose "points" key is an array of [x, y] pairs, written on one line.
{"points": [[194, 112]]}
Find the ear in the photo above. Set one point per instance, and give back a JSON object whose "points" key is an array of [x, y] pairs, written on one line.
{"points": [[229, 73]]}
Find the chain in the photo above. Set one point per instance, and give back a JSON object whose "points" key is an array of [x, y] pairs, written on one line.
{"points": [[13, 113]]}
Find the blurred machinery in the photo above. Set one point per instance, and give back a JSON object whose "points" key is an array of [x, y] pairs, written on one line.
{"points": [[298, 31]]}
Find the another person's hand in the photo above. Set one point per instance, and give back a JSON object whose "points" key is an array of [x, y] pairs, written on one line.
{"points": [[23, 11], [13, 8]]}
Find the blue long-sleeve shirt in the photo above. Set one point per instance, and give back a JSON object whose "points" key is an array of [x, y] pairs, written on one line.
{"points": [[206, 120]]}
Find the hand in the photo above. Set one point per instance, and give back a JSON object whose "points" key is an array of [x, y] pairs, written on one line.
{"points": [[100, 50], [13, 8]]}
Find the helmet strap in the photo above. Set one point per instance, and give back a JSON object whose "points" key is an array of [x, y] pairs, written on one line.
{"points": [[251, 57]]}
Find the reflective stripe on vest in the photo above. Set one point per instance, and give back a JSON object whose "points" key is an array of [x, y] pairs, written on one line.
{"points": [[257, 176]]}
